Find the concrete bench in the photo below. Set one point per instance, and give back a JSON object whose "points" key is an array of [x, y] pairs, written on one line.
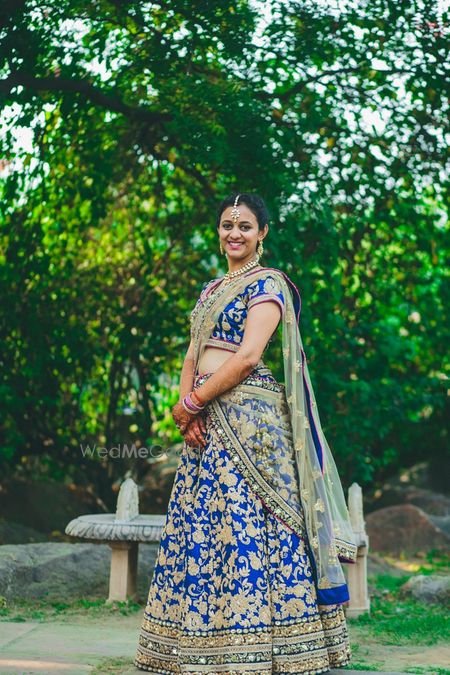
{"points": [[125, 529], [357, 572]]}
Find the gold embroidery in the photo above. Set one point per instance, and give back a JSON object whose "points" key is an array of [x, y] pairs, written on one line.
{"points": [[315, 643], [319, 505], [289, 317], [299, 445]]}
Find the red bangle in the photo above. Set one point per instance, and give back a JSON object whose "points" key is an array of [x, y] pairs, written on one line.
{"points": [[200, 401]]}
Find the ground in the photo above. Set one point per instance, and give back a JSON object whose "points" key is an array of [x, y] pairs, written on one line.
{"points": [[398, 636]]}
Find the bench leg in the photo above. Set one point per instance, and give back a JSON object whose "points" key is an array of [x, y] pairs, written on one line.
{"points": [[123, 575], [357, 585]]}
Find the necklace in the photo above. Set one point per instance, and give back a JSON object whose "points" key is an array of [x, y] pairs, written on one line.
{"points": [[229, 276]]}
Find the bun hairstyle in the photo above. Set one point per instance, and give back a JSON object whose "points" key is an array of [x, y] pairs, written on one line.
{"points": [[253, 201]]}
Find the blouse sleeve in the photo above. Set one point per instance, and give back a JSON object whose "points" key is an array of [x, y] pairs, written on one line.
{"points": [[267, 289]]}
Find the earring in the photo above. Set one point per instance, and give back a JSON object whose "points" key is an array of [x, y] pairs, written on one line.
{"points": [[221, 249], [260, 247]]}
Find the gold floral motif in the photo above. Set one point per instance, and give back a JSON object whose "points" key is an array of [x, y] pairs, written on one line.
{"points": [[324, 582], [319, 505]]}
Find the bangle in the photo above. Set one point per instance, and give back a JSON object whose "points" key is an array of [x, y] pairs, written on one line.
{"points": [[192, 403], [200, 401], [190, 406]]}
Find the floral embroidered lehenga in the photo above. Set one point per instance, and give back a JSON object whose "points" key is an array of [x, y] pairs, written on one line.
{"points": [[248, 577]]}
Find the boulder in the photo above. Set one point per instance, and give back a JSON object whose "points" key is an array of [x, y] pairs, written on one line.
{"points": [[432, 588], [45, 506], [434, 503], [14, 533], [55, 571], [404, 529]]}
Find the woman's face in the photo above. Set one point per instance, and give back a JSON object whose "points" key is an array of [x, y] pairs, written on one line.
{"points": [[239, 239]]}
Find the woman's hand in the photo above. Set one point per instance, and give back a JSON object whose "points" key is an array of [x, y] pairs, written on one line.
{"points": [[195, 432], [181, 416], [192, 427]]}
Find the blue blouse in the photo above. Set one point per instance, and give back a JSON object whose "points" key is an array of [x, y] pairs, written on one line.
{"points": [[228, 332]]}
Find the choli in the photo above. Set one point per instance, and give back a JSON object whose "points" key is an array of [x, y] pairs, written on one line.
{"points": [[228, 332]]}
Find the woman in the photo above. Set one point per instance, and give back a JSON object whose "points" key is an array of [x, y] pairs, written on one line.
{"points": [[248, 576]]}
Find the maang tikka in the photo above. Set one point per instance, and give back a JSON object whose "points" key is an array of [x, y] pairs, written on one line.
{"points": [[235, 213]]}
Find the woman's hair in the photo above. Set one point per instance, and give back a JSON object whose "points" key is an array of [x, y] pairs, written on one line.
{"points": [[253, 201]]}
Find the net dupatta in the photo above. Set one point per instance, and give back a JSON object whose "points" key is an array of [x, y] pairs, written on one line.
{"points": [[327, 521]]}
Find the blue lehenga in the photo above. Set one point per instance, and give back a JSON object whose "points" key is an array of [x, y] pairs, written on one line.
{"points": [[233, 590]]}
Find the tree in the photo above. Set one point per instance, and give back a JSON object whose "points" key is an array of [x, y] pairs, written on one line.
{"points": [[142, 116]]}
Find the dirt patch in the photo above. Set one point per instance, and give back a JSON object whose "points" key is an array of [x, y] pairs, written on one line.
{"points": [[372, 652]]}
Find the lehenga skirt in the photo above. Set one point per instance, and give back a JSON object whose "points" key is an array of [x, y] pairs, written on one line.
{"points": [[232, 590]]}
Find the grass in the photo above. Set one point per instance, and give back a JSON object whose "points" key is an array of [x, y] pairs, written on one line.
{"points": [[45, 610], [399, 621], [397, 626], [117, 665]]}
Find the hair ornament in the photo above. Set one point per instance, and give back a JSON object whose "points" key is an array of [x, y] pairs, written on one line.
{"points": [[235, 213]]}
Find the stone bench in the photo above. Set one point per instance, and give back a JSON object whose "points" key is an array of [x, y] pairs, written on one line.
{"points": [[357, 572], [123, 531], [126, 528]]}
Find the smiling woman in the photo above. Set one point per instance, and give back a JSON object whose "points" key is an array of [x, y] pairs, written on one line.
{"points": [[248, 576]]}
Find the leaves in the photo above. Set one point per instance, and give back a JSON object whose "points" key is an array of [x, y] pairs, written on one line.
{"points": [[141, 118]]}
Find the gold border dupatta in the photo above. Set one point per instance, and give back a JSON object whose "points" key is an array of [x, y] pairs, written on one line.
{"points": [[323, 509]]}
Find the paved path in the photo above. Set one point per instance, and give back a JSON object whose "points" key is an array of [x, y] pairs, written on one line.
{"points": [[78, 646]]}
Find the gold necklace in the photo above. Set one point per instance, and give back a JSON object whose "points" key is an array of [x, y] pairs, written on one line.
{"points": [[229, 276]]}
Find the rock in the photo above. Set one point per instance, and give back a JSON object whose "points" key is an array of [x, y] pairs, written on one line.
{"points": [[45, 506], [434, 503], [433, 588], [55, 571], [14, 533], [442, 522], [377, 565], [404, 528]]}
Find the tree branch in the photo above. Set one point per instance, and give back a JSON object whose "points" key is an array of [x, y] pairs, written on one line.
{"points": [[84, 88]]}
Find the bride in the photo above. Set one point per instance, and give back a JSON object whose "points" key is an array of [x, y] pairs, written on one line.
{"points": [[248, 576]]}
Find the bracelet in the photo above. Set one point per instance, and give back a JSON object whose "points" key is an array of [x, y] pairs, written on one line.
{"points": [[190, 406], [201, 402]]}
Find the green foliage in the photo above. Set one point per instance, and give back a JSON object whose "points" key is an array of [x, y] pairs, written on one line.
{"points": [[393, 621], [141, 117]]}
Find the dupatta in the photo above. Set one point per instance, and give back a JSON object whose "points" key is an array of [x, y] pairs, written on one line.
{"points": [[275, 435]]}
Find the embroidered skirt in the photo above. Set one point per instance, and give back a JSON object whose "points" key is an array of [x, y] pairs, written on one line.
{"points": [[232, 592]]}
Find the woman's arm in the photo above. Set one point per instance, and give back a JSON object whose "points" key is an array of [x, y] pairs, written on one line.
{"points": [[194, 426], [187, 372], [262, 321]]}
